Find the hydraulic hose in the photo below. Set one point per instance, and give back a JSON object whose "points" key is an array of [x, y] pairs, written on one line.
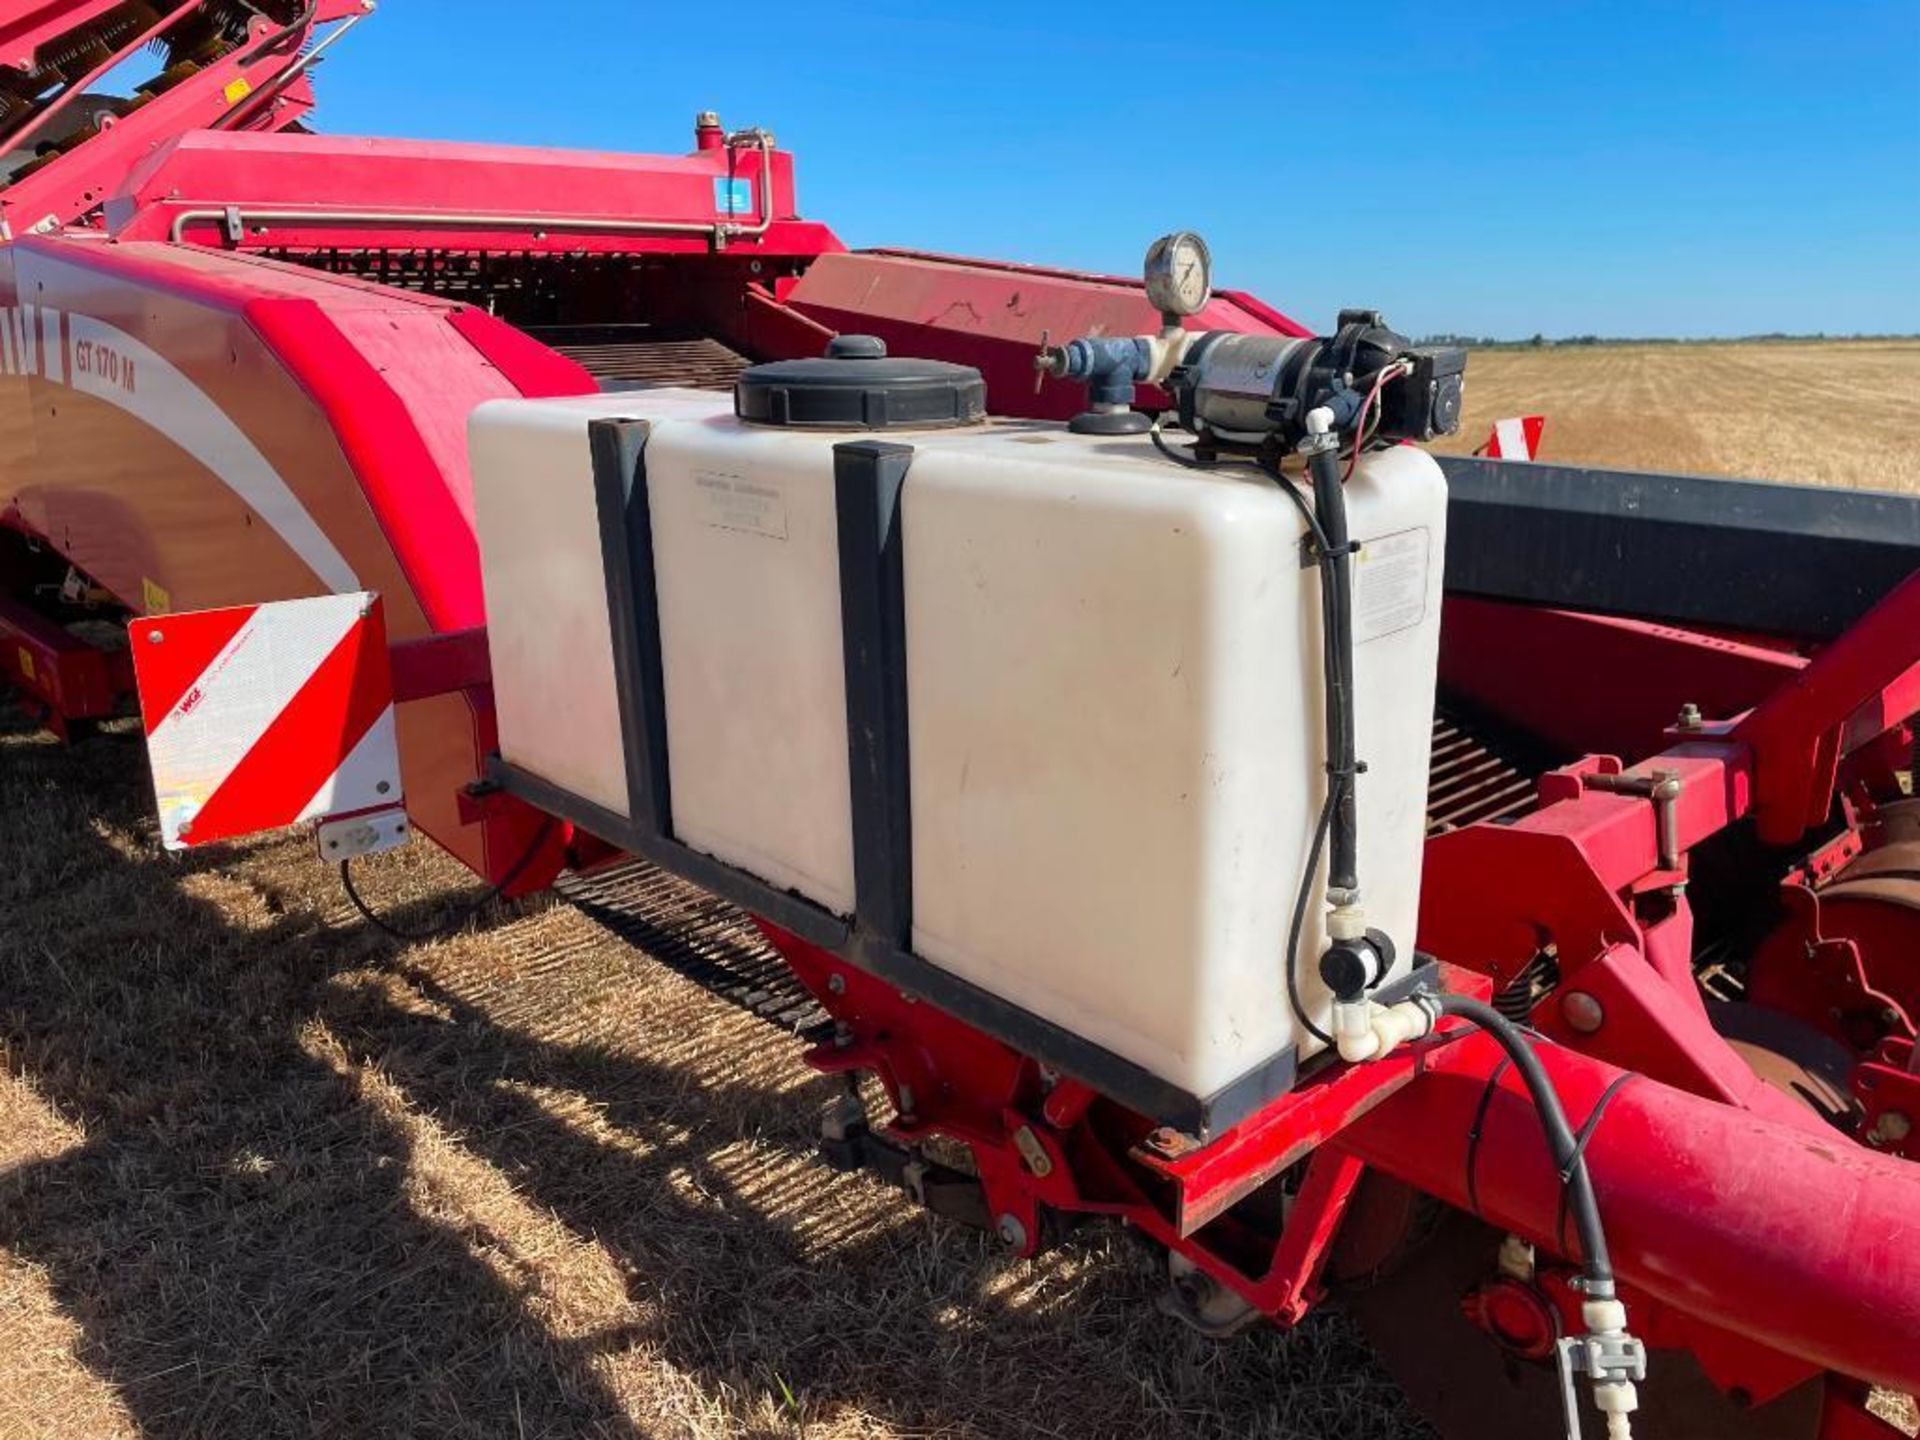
{"points": [[1561, 1144]]}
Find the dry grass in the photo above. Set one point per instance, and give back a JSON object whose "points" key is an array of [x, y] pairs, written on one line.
{"points": [[264, 1173], [1821, 414]]}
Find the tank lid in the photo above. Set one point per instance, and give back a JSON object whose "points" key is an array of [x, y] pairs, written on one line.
{"points": [[855, 386]]}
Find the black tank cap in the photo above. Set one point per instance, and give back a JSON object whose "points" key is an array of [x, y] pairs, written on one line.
{"points": [[854, 386]]}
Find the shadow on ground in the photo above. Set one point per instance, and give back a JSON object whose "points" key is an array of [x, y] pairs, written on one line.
{"points": [[518, 1183]]}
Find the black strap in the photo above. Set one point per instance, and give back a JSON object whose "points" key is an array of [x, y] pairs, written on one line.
{"points": [[1580, 1139], [1473, 1135]]}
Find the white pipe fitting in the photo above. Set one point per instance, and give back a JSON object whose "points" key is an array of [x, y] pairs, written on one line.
{"points": [[1366, 1031]]}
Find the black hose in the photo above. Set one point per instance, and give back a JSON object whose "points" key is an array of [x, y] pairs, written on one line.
{"points": [[1336, 635], [1336, 590], [1561, 1144], [1326, 522], [1300, 902]]}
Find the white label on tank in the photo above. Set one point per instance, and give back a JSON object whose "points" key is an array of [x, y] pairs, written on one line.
{"points": [[733, 502], [1390, 584]]}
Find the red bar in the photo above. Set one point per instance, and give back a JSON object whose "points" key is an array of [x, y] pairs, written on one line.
{"points": [[1795, 733], [76, 680], [1798, 1242], [440, 664]]}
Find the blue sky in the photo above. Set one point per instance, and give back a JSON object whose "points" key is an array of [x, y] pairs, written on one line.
{"points": [[1615, 168]]}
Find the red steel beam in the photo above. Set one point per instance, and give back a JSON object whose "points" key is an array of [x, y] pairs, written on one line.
{"points": [[72, 679], [1797, 1241], [1865, 681]]}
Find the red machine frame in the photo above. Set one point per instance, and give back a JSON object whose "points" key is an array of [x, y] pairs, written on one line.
{"points": [[232, 264]]}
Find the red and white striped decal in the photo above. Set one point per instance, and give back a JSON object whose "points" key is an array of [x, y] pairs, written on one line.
{"points": [[1516, 439], [262, 716]]}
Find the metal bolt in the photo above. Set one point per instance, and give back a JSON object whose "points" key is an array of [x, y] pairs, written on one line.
{"points": [[154, 637], [1582, 1012], [1689, 716], [1032, 1153], [383, 788], [1012, 1232], [837, 984], [1169, 1143], [185, 827], [1893, 1127]]}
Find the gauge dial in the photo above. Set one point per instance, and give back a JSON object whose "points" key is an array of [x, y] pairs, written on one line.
{"points": [[1179, 274]]}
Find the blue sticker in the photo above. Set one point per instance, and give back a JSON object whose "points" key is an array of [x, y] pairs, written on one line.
{"points": [[733, 197]]}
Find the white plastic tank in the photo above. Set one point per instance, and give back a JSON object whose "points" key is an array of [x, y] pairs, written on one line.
{"points": [[746, 558], [1114, 690], [1117, 734]]}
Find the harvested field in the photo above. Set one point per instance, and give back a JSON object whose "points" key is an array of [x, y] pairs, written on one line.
{"points": [[1837, 413], [265, 1172]]}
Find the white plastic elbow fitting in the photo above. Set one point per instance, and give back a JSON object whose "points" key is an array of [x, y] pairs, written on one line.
{"points": [[1366, 1031], [1353, 1030]]}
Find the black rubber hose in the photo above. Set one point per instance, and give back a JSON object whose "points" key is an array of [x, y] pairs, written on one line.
{"points": [[1324, 519], [1300, 902], [1336, 584], [1561, 1144]]}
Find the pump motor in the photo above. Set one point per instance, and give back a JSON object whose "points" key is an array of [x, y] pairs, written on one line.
{"points": [[1246, 390], [1249, 387]]}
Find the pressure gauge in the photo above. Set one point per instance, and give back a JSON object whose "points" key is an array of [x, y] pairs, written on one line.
{"points": [[1179, 274]]}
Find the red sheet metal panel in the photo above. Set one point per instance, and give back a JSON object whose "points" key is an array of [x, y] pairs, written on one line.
{"points": [[441, 195], [196, 430]]}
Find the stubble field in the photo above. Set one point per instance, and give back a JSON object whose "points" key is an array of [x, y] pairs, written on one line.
{"points": [[1838, 413], [264, 1171]]}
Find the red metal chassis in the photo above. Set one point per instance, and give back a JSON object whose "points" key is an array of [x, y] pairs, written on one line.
{"points": [[1746, 1229]]}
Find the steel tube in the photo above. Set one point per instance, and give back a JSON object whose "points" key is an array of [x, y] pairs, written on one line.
{"points": [[1801, 1243]]}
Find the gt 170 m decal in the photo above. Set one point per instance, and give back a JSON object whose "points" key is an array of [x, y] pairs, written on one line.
{"points": [[103, 361]]}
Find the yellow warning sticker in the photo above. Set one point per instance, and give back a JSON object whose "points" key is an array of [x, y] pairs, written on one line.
{"points": [[155, 600], [26, 662], [237, 90]]}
